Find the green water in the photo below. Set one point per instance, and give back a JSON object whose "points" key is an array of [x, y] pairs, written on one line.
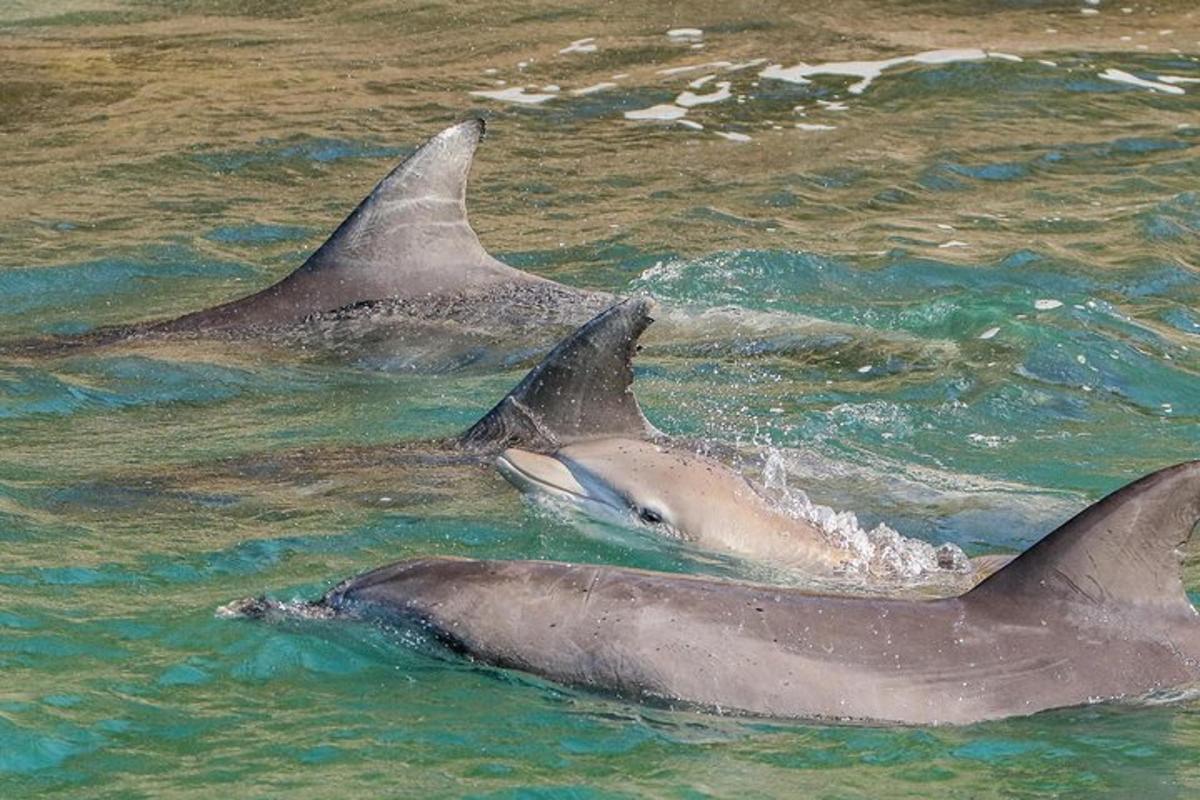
{"points": [[161, 157]]}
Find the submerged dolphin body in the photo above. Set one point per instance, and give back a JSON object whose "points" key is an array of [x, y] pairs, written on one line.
{"points": [[1095, 611]]}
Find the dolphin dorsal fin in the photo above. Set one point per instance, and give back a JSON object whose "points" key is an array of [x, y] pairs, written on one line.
{"points": [[410, 236], [1121, 551], [583, 389]]}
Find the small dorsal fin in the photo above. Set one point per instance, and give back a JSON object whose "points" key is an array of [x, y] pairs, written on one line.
{"points": [[583, 389], [1120, 551]]}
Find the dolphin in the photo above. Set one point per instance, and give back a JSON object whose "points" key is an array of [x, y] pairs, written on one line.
{"points": [[1095, 611], [620, 466], [404, 282], [408, 241], [406, 257]]}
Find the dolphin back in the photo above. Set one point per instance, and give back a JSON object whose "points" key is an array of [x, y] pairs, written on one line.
{"points": [[1123, 551], [582, 389]]}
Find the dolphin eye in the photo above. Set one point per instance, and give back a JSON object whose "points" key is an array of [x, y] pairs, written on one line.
{"points": [[650, 515]]}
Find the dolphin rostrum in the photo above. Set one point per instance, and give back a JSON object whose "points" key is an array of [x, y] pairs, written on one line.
{"points": [[1095, 611]]}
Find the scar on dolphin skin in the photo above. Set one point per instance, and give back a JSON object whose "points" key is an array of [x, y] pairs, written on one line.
{"points": [[1095, 611]]}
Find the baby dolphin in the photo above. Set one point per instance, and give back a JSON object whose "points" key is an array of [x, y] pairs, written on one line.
{"points": [[616, 464], [1095, 611], [605, 456]]}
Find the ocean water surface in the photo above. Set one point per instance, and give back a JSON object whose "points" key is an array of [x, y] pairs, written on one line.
{"points": [[933, 263]]}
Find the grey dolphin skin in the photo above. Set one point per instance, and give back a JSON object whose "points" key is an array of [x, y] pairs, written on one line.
{"points": [[1095, 611], [677, 493]]}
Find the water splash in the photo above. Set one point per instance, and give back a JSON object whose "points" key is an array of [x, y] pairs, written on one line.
{"points": [[880, 552]]}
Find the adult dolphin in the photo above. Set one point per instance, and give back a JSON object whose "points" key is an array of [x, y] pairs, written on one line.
{"points": [[1094, 611], [405, 259]]}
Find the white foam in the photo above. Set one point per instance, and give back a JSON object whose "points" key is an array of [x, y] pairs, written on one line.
{"points": [[694, 67], [1177, 79], [587, 45], [516, 94], [1120, 76], [809, 126], [685, 33], [696, 84], [989, 333], [832, 105], [1005, 56], [689, 99], [754, 62], [953, 243], [665, 111], [879, 551], [733, 136], [990, 442], [595, 87], [687, 123], [1047, 304], [868, 71]]}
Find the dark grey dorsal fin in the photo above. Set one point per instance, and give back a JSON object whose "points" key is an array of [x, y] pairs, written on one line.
{"points": [[1122, 550], [583, 389]]}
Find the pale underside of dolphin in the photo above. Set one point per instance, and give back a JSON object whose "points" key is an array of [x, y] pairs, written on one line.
{"points": [[1095, 611]]}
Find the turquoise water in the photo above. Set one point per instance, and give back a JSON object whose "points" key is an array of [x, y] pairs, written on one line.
{"points": [[964, 301]]}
